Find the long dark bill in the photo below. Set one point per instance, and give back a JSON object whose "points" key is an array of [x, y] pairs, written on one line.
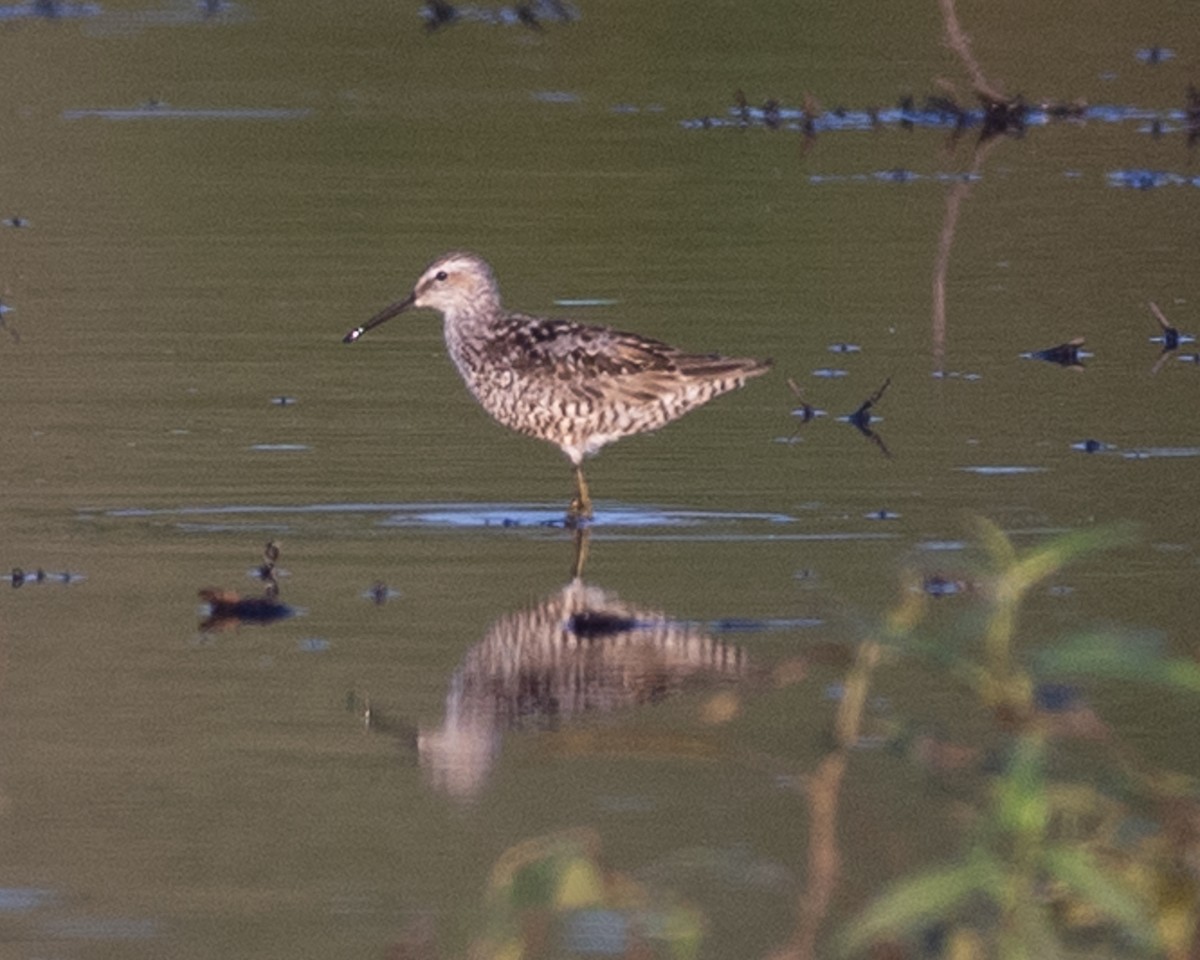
{"points": [[383, 315]]}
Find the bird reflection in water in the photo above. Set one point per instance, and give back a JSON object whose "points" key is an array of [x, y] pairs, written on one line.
{"points": [[581, 650]]}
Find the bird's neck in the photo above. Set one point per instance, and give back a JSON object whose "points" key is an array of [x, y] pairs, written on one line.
{"points": [[467, 330]]}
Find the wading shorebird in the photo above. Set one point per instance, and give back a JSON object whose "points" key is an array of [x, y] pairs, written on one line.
{"points": [[574, 385]]}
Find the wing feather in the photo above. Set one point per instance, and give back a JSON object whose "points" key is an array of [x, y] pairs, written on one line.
{"points": [[565, 350]]}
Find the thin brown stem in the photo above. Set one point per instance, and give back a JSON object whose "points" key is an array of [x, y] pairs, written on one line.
{"points": [[941, 266], [960, 43]]}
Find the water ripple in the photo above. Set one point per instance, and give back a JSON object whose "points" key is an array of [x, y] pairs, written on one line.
{"points": [[614, 521]]}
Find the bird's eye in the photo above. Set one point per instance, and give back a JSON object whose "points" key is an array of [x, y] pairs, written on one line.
{"points": [[441, 275]]}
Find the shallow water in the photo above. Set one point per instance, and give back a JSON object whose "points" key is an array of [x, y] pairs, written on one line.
{"points": [[201, 199]]}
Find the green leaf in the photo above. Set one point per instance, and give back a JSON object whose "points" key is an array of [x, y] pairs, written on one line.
{"points": [[1022, 804], [1044, 560], [911, 902], [995, 541], [1119, 658], [1087, 878]]}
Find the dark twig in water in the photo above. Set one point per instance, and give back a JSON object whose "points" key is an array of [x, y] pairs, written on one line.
{"points": [[860, 419], [266, 572], [863, 414], [806, 412], [770, 110], [1003, 116], [1069, 354], [808, 122], [1170, 334], [377, 721], [1171, 337], [19, 577], [772, 119]]}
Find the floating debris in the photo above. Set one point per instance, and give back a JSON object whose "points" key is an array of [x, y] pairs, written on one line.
{"points": [[380, 593], [1141, 179], [19, 577], [1156, 453], [936, 585], [531, 14], [898, 175], [555, 96], [48, 10], [437, 14], [631, 108], [956, 375], [894, 176], [1152, 56], [1070, 354], [992, 116]]}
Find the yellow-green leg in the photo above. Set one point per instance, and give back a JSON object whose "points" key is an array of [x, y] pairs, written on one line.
{"points": [[581, 506], [581, 551]]}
